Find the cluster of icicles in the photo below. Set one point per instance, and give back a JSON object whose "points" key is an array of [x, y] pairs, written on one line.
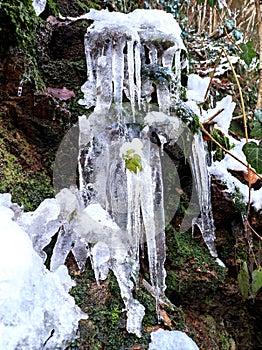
{"points": [[116, 212]]}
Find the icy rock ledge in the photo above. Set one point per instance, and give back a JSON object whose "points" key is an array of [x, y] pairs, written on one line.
{"points": [[171, 340], [36, 311]]}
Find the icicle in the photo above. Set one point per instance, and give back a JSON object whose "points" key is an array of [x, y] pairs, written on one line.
{"points": [[138, 72], [89, 88], [118, 72], [130, 62], [152, 53], [104, 83], [202, 182], [168, 56], [153, 218]]}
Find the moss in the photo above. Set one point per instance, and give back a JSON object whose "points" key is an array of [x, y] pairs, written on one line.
{"points": [[156, 73], [28, 189], [189, 264], [187, 116], [26, 22], [53, 8]]}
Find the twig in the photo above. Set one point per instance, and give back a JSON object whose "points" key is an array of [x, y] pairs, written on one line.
{"points": [[251, 228], [163, 299], [245, 88], [213, 74], [240, 116], [213, 116], [227, 151], [240, 94], [246, 133]]}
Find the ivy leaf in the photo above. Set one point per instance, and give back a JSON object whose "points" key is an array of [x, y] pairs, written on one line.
{"points": [[256, 281], [256, 130], [243, 280], [258, 114], [248, 53], [253, 153]]}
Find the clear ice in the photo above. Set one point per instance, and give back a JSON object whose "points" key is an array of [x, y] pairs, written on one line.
{"points": [[117, 212], [130, 58]]}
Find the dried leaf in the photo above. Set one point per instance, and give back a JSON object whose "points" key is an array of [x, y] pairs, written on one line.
{"points": [[62, 94]]}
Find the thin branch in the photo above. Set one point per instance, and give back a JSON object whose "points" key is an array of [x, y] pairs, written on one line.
{"points": [[212, 76], [213, 116], [240, 94], [227, 151], [251, 228]]}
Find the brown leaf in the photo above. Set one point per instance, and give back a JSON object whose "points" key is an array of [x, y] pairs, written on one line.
{"points": [[63, 94], [252, 178], [165, 318]]}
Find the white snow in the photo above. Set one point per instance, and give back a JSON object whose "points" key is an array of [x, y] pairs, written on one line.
{"points": [[195, 92], [39, 6], [171, 340], [224, 118], [34, 302], [197, 87]]}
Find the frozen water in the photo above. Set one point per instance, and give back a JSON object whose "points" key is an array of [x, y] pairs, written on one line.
{"points": [[39, 6], [118, 47], [201, 175], [36, 311], [171, 340]]}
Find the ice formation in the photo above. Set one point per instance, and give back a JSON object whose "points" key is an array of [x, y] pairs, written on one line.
{"points": [[36, 311], [131, 58], [119, 207], [39, 6], [171, 340], [144, 39]]}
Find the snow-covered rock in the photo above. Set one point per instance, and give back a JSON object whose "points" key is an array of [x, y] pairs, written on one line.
{"points": [[36, 311], [171, 340]]}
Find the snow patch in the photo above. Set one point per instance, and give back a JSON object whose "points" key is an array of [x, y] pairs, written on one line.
{"points": [[35, 306]]}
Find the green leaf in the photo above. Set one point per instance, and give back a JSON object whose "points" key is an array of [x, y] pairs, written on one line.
{"points": [[256, 281], [248, 53], [253, 153], [256, 131], [133, 163], [258, 114], [243, 281]]}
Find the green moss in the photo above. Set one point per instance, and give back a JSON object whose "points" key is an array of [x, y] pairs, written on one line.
{"points": [[104, 307], [26, 22], [53, 8], [186, 114], [189, 264], [28, 189], [239, 202]]}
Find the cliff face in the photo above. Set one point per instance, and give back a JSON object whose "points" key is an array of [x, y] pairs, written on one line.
{"points": [[38, 106]]}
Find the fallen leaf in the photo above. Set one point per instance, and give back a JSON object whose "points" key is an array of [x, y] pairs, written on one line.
{"points": [[150, 329], [63, 94], [252, 178], [165, 318]]}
